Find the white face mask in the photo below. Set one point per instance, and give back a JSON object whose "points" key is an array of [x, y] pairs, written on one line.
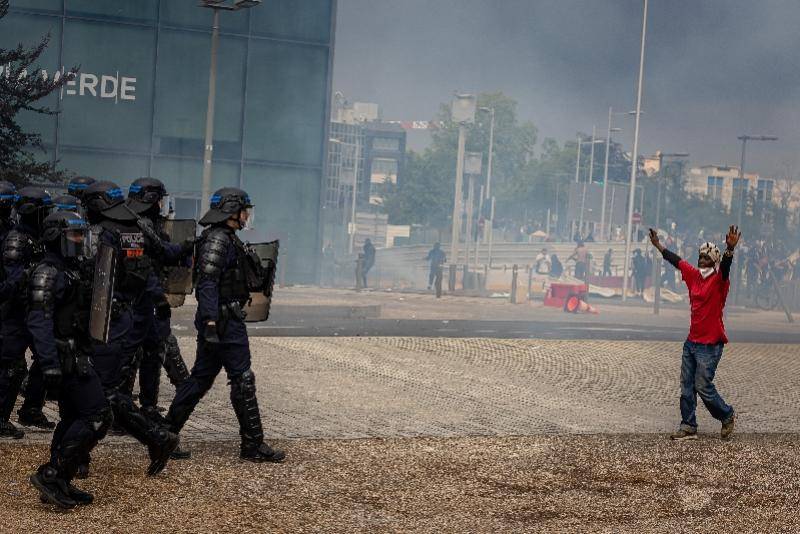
{"points": [[708, 271]]}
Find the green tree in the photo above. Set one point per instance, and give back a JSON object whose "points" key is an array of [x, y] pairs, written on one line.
{"points": [[426, 194], [19, 91]]}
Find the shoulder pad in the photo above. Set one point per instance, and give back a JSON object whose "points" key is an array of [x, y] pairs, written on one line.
{"points": [[17, 247], [212, 254], [42, 287]]}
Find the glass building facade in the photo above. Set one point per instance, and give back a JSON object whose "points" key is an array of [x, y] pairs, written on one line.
{"points": [[138, 104]]}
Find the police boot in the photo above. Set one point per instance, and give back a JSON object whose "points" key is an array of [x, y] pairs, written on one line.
{"points": [[53, 489], [245, 404], [33, 416], [160, 442], [154, 415], [8, 430]]}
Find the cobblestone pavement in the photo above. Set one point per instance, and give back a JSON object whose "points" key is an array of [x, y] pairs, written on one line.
{"points": [[543, 484], [408, 387]]}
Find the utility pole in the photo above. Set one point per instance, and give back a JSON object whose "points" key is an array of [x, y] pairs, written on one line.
{"points": [[657, 260], [488, 194], [634, 160], [208, 151], [462, 112]]}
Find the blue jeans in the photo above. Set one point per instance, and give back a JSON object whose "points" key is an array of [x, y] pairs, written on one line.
{"points": [[697, 378]]}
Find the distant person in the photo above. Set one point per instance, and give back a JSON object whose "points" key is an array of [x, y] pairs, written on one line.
{"points": [[580, 255], [369, 259], [328, 264], [437, 258], [556, 268], [607, 262], [542, 262], [590, 237], [708, 285], [639, 271]]}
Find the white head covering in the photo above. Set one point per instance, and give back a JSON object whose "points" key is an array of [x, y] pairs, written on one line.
{"points": [[711, 250]]}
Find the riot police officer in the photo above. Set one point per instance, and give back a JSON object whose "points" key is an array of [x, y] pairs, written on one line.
{"points": [[151, 334], [20, 252], [116, 227], [59, 304], [221, 268], [78, 185], [8, 197], [67, 203]]}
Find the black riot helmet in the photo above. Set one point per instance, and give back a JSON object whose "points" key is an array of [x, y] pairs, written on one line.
{"points": [[148, 195], [67, 203], [33, 205], [78, 185], [105, 199], [66, 233], [226, 203], [8, 198]]}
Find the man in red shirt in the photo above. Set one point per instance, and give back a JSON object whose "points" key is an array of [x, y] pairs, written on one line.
{"points": [[708, 285]]}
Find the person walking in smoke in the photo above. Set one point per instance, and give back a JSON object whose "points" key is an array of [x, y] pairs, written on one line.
{"points": [[437, 258], [708, 285]]}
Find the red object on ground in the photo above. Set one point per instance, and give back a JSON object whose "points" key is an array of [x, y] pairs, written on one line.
{"points": [[559, 292], [707, 297]]}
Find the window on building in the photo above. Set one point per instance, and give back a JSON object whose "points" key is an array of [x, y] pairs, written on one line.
{"points": [[715, 184], [386, 143], [764, 190], [384, 166]]}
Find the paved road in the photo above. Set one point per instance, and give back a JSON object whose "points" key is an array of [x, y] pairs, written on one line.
{"points": [[572, 328], [410, 387]]}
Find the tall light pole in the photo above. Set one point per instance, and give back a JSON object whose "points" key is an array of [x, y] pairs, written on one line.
{"points": [[217, 6], [634, 160], [462, 112], [656, 274], [488, 191], [352, 237], [577, 175], [744, 139], [605, 175]]}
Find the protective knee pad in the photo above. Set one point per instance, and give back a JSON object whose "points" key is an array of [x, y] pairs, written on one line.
{"points": [[245, 405], [101, 422], [244, 386], [11, 379], [176, 369]]}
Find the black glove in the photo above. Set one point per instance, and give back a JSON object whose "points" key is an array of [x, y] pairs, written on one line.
{"points": [[163, 310], [187, 247], [52, 382], [210, 334]]}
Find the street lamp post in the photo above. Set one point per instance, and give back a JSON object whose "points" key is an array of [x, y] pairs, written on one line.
{"points": [[656, 274], [744, 139], [605, 175], [488, 191], [463, 113], [217, 6], [634, 160]]}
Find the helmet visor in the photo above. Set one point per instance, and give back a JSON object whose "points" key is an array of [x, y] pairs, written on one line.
{"points": [[165, 206], [75, 243]]}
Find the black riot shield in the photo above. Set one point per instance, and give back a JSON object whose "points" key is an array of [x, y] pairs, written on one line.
{"points": [[260, 301], [178, 280], [105, 264]]}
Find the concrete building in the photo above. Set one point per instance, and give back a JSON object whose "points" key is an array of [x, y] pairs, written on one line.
{"points": [[721, 183], [138, 105], [362, 148]]}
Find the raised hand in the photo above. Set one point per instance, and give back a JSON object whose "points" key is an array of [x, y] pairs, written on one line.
{"points": [[732, 239], [654, 239]]}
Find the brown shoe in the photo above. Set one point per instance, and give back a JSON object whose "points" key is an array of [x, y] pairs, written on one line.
{"points": [[683, 434], [727, 428]]}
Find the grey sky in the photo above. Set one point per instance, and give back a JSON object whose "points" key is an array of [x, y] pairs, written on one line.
{"points": [[714, 69]]}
